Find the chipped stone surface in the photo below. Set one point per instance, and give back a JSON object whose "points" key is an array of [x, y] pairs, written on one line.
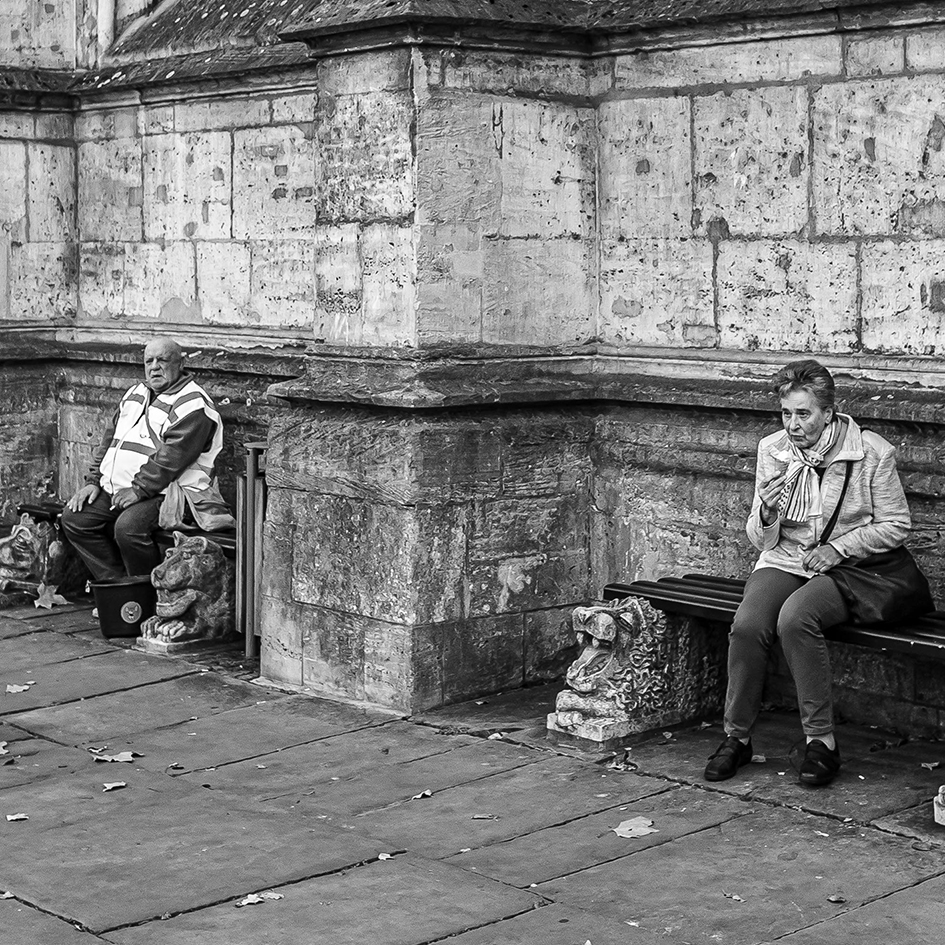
{"points": [[212, 114], [878, 146], [657, 292], [224, 282], [375, 71], [43, 282], [338, 278], [34, 38], [388, 286], [645, 168], [160, 283], [925, 49], [450, 274], [905, 313], [110, 199], [283, 290], [13, 189], [883, 56], [52, 193], [775, 60], [187, 186], [751, 164], [787, 295]]}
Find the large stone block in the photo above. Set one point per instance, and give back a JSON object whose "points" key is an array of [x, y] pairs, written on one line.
{"points": [[388, 287], [17, 124], [905, 312], [106, 124], [52, 193], [787, 296], [449, 284], [645, 168], [363, 157], [211, 114], [459, 177], [43, 282], [13, 200], [375, 71], [403, 666], [882, 55], [338, 277], [224, 282], [283, 283], [333, 654], [282, 626], [761, 61], [54, 126], [751, 161], [291, 109], [160, 282], [274, 182], [101, 287], [925, 49], [187, 186], [482, 656], [538, 292], [657, 292], [879, 166], [550, 643], [110, 190]]}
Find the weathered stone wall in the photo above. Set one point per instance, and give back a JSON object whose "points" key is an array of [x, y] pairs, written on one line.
{"points": [[781, 195], [285, 214], [38, 285], [38, 35]]}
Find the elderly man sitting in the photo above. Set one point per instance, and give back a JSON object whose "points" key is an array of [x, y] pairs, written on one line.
{"points": [[165, 430]]}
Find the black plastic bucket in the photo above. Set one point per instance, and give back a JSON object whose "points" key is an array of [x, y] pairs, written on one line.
{"points": [[123, 603]]}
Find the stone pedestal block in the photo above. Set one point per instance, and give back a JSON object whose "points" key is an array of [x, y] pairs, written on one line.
{"points": [[639, 670]]}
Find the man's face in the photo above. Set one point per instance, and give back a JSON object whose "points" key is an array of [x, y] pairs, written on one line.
{"points": [[162, 366]]}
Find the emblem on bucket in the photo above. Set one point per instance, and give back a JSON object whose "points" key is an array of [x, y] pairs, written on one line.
{"points": [[131, 612]]}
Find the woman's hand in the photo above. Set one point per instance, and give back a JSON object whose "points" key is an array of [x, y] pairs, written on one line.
{"points": [[821, 559], [770, 492]]}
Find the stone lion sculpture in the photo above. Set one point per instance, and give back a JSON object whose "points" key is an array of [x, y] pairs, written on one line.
{"points": [[194, 587], [638, 670]]}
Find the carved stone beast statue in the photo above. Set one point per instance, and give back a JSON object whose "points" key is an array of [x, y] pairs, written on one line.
{"points": [[639, 670], [194, 594]]}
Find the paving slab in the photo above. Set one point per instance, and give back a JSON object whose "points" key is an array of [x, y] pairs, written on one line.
{"points": [[782, 865], [37, 649], [49, 616], [165, 702], [61, 683], [517, 710], [157, 854], [364, 770], [21, 924], [504, 806], [914, 916], [559, 925], [589, 841], [917, 822], [402, 901], [272, 723], [14, 628]]}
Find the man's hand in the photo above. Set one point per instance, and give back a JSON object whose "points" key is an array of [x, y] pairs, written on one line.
{"points": [[770, 492], [124, 498], [85, 495], [821, 559]]}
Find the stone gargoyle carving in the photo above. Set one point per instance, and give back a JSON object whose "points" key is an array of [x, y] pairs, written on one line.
{"points": [[639, 670], [33, 554], [194, 587]]}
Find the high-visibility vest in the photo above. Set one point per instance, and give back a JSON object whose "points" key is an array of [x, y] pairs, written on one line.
{"points": [[139, 432]]}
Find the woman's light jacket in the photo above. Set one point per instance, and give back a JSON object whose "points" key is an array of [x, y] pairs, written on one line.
{"points": [[874, 517]]}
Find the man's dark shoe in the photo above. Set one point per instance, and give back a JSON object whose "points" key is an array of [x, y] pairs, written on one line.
{"points": [[728, 758], [821, 764]]}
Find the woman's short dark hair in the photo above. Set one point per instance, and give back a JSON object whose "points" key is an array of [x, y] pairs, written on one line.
{"points": [[809, 375]]}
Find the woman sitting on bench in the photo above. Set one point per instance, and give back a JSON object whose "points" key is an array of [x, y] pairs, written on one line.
{"points": [[821, 477]]}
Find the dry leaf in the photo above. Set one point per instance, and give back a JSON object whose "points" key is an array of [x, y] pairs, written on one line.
{"points": [[384, 856], [6, 895], [485, 816], [422, 794], [3, 748], [820, 833], [836, 897], [634, 827], [931, 765], [113, 786], [255, 898], [121, 756], [18, 816], [12, 687], [732, 896], [496, 736], [48, 598], [758, 759]]}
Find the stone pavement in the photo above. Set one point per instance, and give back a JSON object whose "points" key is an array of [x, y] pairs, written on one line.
{"points": [[373, 828]]}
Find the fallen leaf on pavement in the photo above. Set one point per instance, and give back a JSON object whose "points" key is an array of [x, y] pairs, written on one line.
{"points": [[836, 898], [758, 759], [6, 895], [113, 786], [121, 756], [18, 816], [931, 765], [496, 736], [3, 748], [634, 827], [12, 687], [384, 856], [422, 794], [820, 833], [732, 896], [485, 816], [48, 598], [255, 898]]}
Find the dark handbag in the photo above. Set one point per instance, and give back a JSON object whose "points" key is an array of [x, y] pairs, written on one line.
{"points": [[885, 587]]}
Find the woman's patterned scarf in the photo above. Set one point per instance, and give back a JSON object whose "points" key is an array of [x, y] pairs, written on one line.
{"points": [[800, 501]]}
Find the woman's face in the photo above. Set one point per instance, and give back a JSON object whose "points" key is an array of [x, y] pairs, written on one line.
{"points": [[803, 420]]}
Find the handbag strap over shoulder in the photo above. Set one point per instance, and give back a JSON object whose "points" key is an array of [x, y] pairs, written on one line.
{"points": [[828, 530]]}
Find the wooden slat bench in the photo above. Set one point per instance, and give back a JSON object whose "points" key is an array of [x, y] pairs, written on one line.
{"points": [[716, 599]]}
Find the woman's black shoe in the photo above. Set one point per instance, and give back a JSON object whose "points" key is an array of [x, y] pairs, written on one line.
{"points": [[728, 758], [821, 764]]}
